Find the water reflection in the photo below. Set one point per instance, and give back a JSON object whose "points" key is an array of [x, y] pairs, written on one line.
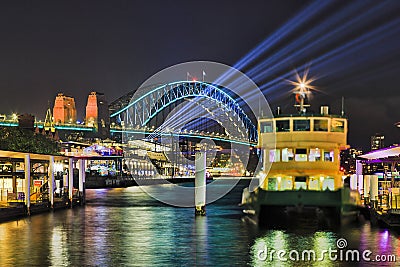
{"points": [[125, 227], [281, 248], [322, 248], [200, 235], [58, 251]]}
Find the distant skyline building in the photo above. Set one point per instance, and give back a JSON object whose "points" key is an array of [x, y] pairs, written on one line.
{"points": [[64, 110], [97, 114], [348, 159], [377, 141]]}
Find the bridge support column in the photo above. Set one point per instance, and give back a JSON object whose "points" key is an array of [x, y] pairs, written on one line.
{"points": [[200, 184], [82, 179], [70, 178], [27, 163], [51, 181]]}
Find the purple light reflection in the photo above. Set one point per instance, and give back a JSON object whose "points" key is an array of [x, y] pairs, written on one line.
{"points": [[383, 240]]}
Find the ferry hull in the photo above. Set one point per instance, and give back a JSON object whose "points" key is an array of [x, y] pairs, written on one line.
{"points": [[286, 208]]}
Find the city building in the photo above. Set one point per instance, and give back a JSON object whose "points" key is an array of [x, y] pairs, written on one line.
{"points": [[348, 160], [377, 141], [64, 110], [97, 114]]}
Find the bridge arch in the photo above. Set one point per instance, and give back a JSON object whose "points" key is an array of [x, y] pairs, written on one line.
{"points": [[142, 108]]}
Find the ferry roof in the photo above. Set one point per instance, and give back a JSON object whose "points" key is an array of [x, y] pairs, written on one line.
{"points": [[382, 153], [308, 115]]}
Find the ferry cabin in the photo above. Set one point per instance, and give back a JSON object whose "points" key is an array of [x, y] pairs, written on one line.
{"points": [[305, 154]]}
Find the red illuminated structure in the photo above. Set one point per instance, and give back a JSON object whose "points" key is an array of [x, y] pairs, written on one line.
{"points": [[64, 110], [97, 114]]}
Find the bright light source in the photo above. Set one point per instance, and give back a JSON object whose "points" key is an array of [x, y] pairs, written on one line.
{"points": [[302, 84]]}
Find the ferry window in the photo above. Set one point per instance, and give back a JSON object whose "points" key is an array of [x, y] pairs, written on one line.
{"points": [[328, 156], [313, 183], [301, 154], [287, 154], [321, 125], [274, 155], [328, 183], [272, 184], [266, 127], [287, 183], [300, 182], [301, 125], [315, 154], [337, 126], [282, 126]]}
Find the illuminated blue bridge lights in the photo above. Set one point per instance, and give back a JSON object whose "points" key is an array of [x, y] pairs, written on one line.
{"points": [[302, 17], [8, 124], [345, 29], [337, 53], [150, 135], [309, 41]]}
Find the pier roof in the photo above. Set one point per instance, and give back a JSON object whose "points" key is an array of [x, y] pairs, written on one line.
{"points": [[21, 155], [382, 153]]}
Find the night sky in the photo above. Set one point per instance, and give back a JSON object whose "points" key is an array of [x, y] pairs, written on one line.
{"points": [[351, 47]]}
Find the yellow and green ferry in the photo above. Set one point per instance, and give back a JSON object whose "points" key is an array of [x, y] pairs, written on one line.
{"points": [[301, 176]]}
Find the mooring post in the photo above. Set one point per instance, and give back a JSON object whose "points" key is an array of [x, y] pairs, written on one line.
{"points": [[374, 189], [70, 179], [51, 181], [367, 181], [27, 163], [200, 184], [82, 180]]}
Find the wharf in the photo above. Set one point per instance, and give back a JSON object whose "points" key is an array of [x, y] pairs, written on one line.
{"points": [[95, 182], [36, 183], [385, 212], [381, 190], [16, 210]]}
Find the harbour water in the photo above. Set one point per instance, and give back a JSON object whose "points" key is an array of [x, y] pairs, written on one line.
{"points": [[126, 227]]}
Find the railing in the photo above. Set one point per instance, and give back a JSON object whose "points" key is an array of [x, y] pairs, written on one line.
{"points": [[394, 202], [385, 202], [15, 197], [215, 136]]}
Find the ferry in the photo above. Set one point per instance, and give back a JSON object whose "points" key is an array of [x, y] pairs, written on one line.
{"points": [[304, 181]]}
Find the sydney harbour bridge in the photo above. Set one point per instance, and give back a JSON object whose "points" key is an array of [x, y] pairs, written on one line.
{"points": [[167, 118]]}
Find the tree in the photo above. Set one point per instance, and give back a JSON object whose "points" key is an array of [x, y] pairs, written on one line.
{"points": [[22, 140]]}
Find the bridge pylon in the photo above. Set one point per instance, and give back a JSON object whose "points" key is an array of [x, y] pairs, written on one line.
{"points": [[49, 122]]}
